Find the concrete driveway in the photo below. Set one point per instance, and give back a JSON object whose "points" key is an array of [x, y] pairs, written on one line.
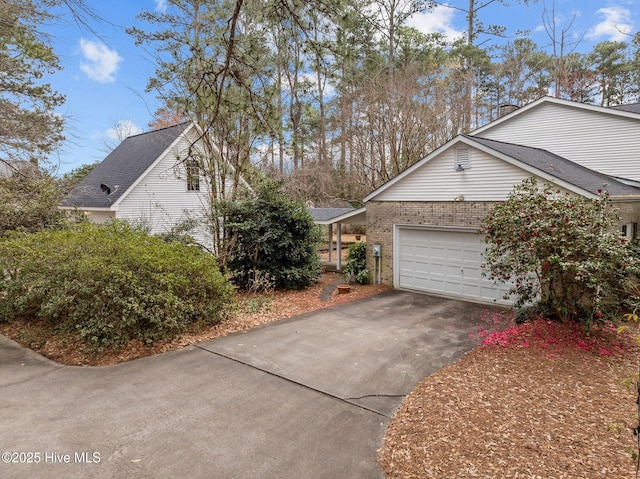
{"points": [[309, 397]]}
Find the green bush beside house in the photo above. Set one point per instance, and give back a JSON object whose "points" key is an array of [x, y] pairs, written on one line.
{"points": [[109, 284], [273, 241], [562, 254], [356, 267]]}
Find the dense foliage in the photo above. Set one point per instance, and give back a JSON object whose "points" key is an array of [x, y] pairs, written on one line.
{"points": [[356, 267], [29, 201], [109, 284], [561, 252], [29, 128], [340, 96], [272, 241]]}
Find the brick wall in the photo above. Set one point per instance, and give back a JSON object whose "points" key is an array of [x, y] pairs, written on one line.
{"points": [[629, 211], [383, 215]]}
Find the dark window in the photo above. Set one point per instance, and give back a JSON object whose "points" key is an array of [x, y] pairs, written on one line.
{"points": [[193, 176]]}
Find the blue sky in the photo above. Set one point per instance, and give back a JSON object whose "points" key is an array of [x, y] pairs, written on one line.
{"points": [[105, 74]]}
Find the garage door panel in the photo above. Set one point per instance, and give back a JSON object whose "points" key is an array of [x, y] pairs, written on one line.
{"points": [[444, 262]]}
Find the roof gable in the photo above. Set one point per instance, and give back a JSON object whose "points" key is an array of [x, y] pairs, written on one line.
{"points": [[416, 166], [123, 167], [524, 162], [626, 111]]}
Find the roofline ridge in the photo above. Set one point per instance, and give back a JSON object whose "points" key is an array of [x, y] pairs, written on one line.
{"points": [[159, 129], [529, 147], [562, 158]]}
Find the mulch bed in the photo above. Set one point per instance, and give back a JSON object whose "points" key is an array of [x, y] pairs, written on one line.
{"points": [[537, 401]]}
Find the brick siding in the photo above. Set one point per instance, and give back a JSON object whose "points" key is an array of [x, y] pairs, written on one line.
{"points": [[382, 216], [629, 211]]}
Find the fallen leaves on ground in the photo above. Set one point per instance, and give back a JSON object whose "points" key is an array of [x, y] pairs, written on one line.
{"points": [[536, 401]]}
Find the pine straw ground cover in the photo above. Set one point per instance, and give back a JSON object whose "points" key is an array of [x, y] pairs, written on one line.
{"points": [[252, 310], [540, 400]]}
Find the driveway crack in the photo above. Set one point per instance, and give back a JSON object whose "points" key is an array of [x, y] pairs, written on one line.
{"points": [[367, 396], [270, 373]]}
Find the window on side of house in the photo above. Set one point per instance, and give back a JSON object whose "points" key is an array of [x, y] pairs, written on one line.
{"points": [[630, 230], [193, 176]]}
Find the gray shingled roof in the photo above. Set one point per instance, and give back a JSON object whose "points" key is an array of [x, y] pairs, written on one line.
{"points": [[122, 167], [323, 214], [633, 107], [560, 167]]}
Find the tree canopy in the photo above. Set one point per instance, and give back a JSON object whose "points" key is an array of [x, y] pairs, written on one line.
{"points": [[29, 128], [339, 96]]}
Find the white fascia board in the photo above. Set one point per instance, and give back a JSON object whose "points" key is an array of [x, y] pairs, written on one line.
{"points": [[345, 217], [414, 167], [558, 101], [152, 166]]}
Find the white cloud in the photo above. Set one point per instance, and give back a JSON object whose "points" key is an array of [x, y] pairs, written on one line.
{"points": [[161, 6], [438, 20], [101, 63], [614, 26], [122, 129]]}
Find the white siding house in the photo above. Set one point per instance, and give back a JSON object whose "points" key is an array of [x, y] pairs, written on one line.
{"points": [[488, 176], [424, 222], [602, 139], [145, 181]]}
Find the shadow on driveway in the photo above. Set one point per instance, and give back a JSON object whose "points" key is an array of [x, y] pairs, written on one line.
{"points": [[308, 397]]}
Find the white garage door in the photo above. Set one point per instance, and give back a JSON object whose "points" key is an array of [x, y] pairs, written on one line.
{"points": [[444, 262]]}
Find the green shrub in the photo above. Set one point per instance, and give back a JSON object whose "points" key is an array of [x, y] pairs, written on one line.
{"points": [[561, 252], [272, 241], [29, 201], [109, 284], [356, 268]]}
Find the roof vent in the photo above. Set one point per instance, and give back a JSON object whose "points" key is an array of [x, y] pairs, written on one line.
{"points": [[463, 159], [106, 189]]}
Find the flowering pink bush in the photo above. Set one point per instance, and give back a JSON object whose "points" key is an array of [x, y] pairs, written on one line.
{"points": [[563, 252]]}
